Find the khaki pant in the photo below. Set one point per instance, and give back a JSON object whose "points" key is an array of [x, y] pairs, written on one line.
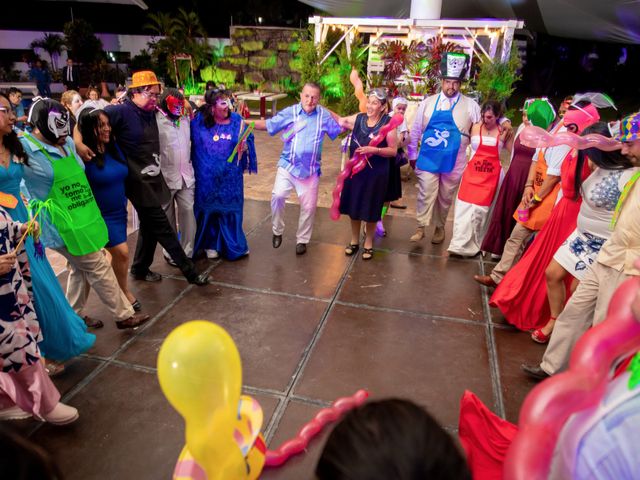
{"points": [[94, 270], [512, 251], [436, 192], [181, 203], [588, 305], [307, 191]]}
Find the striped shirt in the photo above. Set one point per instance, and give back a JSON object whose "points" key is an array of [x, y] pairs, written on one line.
{"points": [[301, 154]]}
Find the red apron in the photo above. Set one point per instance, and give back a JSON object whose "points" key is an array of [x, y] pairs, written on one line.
{"points": [[482, 175], [540, 213]]}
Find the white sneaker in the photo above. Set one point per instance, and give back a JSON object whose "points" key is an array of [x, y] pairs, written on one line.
{"points": [[13, 413], [211, 254], [61, 415]]}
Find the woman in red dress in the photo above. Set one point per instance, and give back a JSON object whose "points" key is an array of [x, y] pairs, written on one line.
{"points": [[522, 294]]}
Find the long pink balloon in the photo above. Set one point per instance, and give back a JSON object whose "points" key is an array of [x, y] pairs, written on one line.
{"points": [[275, 458], [536, 137], [549, 405], [357, 164]]}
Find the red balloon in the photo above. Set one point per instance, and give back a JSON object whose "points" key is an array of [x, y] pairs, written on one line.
{"points": [[550, 404], [358, 162], [275, 458]]}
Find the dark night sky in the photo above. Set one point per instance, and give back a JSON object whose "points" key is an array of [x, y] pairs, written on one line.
{"points": [[215, 14]]}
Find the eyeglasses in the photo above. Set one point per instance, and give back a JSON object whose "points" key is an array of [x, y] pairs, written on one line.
{"points": [[150, 94], [6, 111]]}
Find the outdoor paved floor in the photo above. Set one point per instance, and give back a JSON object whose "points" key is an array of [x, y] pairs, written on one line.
{"points": [[410, 323]]}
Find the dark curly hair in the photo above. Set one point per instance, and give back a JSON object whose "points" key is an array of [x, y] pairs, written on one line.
{"points": [[11, 142], [210, 98]]}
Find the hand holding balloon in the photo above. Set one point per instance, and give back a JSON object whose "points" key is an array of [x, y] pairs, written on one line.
{"points": [[358, 162]]}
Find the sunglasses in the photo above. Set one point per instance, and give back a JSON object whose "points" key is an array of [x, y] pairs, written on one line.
{"points": [[379, 93]]}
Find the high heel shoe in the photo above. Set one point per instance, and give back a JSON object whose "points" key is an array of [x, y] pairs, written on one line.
{"points": [[538, 336]]}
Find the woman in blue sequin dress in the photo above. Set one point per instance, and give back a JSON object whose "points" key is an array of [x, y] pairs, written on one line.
{"points": [[219, 196]]}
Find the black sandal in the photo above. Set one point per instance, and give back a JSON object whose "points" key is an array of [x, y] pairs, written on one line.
{"points": [[367, 253], [351, 249]]}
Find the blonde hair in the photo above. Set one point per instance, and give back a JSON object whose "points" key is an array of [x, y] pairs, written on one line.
{"points": [[67, 98]]}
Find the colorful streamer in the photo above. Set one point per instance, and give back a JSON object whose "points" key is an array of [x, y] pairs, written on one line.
{"points": [[241, 140]]}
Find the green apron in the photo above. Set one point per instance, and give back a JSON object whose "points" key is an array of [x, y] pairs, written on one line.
{"points": [[84, 231]]}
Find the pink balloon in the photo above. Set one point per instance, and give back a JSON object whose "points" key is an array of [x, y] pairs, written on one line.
{"points": [[550, 404], [536, 137], [275, 458], [357, 163]]}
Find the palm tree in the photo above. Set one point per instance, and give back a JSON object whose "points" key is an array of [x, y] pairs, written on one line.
{"points": [[190, 26], [161, 24], [53, 44]]}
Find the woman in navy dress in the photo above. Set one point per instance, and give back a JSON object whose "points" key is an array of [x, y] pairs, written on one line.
{"points": [[364, 193], [106, 173], [219, 197]]}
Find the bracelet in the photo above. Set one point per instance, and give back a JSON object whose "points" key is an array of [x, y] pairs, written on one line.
{"points": [[537, 198], [378, 150], [528, 185]]}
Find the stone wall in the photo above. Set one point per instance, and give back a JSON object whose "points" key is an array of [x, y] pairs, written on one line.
{"points": [[262, 56]]}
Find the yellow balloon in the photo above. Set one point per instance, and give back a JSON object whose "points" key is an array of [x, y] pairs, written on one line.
{"points": [[201, 375]]}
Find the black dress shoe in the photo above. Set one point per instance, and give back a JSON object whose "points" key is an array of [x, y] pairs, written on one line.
{"points": [[534, 371], [301, 248], [276, 241], [199, 280], [147, 277]]}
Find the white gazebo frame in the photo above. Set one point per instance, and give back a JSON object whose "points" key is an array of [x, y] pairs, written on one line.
{"points": [[468, 32]]}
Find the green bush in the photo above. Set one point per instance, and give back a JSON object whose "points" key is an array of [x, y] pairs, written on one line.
{"points": [[218, 75], [496, 80]]}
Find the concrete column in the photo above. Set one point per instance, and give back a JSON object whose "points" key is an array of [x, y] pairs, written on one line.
{"points": [[426, 9]]}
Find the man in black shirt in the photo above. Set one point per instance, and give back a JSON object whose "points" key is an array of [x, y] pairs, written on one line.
{"points": [[136, 132]]}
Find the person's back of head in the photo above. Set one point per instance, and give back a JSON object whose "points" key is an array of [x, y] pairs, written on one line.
{"points": [[22, 460], [390, 440]]}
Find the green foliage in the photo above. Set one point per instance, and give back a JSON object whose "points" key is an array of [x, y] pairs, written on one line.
{"points": [[183, 34], [309, 57], [218, 75], [53, 44], [82, 43], [496, 80], [288, 86]]}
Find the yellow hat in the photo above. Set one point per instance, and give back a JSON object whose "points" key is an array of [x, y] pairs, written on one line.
{"points": [[143, 78]]}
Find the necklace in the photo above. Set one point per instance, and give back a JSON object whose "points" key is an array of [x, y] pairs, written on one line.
{"points": [[217, 136]]}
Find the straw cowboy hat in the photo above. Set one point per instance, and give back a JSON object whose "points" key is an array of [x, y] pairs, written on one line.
{"points": [[143, 78]]}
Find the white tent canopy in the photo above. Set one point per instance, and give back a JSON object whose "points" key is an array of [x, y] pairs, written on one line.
{"points": [[137, 3], [604, 20]]}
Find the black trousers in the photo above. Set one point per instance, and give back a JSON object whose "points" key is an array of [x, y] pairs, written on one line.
{"points": [[155, 228]]}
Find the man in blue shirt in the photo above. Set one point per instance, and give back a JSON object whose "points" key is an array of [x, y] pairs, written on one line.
{"points": [[304, 126]]}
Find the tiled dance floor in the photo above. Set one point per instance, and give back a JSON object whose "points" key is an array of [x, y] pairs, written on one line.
{"points": [[411, 323]]}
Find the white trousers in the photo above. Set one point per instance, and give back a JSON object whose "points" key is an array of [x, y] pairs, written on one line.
{"points": [[307, 191], [436, 192], [182, 203]]}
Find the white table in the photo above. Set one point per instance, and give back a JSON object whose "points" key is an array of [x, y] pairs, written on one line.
{"points": [[262, 97]]}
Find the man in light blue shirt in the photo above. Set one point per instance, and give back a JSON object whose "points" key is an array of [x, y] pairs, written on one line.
{"points": [[304, 126]]}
